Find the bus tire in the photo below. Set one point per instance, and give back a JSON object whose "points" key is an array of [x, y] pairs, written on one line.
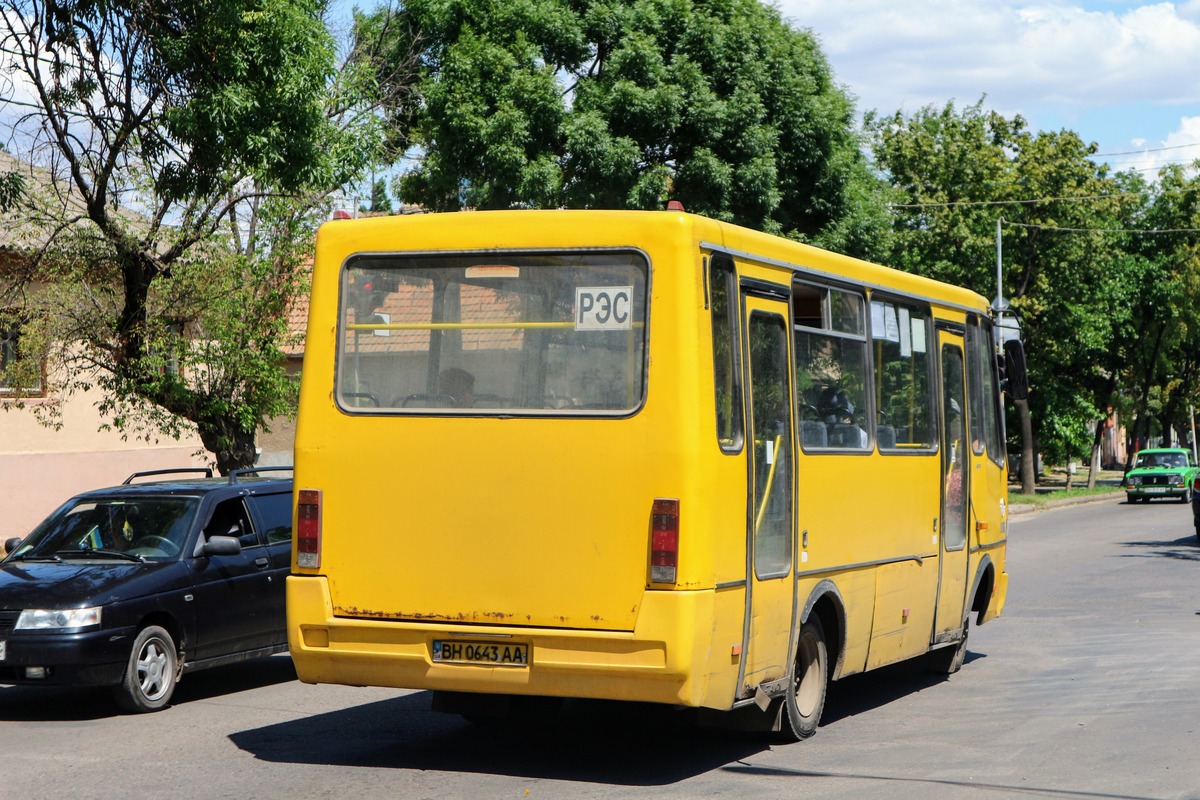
{"points": [[807, 684], [949, 660]]}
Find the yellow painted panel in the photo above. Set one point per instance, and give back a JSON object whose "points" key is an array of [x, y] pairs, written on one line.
{"points": [[904, 608]]}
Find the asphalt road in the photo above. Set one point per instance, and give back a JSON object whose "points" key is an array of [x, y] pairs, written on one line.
{"points": [[1087, 687]]}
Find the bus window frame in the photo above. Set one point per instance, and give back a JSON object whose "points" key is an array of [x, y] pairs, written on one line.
{"points": [[343, 326], [718, 263], [828, 330], [932, 370], [987, 346]]}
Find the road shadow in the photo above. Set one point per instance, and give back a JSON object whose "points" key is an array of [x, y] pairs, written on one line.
{"points": [[623, 744], [1185, 548], [858, 693], [63, 704]]}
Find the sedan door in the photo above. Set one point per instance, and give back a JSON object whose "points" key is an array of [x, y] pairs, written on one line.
{"points": [[273, 514], [232, 593]]}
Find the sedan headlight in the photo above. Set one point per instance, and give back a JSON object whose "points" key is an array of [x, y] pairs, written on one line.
{"points": [[1135, 480], [41, 619]]}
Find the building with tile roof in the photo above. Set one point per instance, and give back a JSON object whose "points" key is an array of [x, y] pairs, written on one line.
{"points": [[40, 465]]}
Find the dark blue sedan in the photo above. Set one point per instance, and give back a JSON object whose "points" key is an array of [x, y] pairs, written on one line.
{"points": [[133, 586]]}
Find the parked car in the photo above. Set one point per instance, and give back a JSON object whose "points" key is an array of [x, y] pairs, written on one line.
{"points": [[1161, 472], [133, 586]]}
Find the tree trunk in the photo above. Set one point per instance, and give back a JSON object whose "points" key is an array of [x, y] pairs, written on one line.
{"points": [[1028, 457], [1094, 468], [233, 447]]}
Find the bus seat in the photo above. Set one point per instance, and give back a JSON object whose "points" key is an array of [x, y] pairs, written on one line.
{"points": [[813, 433], [427, 401], [887, 436], [844, 434]]}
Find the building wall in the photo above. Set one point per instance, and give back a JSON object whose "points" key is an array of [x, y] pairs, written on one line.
{"points": [[40, 467]]}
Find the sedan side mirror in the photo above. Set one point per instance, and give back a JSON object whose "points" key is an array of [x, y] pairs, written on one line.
{"points": [[222, 546], [12, 544]]}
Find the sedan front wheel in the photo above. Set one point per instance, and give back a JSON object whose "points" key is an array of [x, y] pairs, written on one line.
{"points": [[151, 674]]}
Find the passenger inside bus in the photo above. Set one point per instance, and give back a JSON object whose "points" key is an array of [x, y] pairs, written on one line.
{"points": [[459, 385], [837, 412]]}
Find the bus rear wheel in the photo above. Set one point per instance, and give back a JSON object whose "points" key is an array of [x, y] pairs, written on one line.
{"points": [[807, 684]]}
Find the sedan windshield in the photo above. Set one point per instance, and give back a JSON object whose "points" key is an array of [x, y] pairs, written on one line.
{"points": [[1149, 460], [124, 528]]}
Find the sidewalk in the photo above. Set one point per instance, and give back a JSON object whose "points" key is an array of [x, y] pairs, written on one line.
{"points": [[1055, 481]]}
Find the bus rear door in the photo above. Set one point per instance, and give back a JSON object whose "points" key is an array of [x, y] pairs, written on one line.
{"points": [[771, 467]]}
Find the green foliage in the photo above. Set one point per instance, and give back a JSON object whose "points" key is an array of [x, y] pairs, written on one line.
{"points": [[380, 201], [604, 104], [12, 186], [958, 172], [197, 140]]}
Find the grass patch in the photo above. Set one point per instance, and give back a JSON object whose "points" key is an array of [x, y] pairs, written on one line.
{"points": [[1045, 496]]}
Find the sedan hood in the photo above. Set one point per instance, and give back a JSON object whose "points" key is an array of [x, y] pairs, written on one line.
{"points": [[77, 584]]}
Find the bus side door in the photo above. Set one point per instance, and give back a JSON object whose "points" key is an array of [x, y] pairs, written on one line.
{"points": [[770, 605], [952, 581]]}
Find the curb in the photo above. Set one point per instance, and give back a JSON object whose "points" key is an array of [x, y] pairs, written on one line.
{"points": [[1016, 509]]}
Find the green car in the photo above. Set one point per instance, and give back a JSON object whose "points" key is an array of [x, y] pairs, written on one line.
{"points": [[1162, 472]]}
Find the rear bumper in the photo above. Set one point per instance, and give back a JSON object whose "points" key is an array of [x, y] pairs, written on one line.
{"points": [[658, 663]]}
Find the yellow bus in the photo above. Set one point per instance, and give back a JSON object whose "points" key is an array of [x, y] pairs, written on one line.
{"points": [[639, 456]]}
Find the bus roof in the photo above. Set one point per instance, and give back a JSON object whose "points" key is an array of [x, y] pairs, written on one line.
{"points": [[547, 229]]}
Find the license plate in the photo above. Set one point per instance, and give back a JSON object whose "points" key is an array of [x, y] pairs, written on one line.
{"points": [[501, 654], [1155, 490]]}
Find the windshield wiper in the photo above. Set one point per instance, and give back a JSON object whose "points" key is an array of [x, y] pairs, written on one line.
{"points": [[35, 557], [103, 551]]}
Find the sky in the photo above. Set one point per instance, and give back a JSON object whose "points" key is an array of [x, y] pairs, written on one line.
{"points": [[1121, 73], [1125, 75]]}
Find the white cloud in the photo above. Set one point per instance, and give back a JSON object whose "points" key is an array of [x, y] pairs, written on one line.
{"points": [[1181, 145], [909, 54]]}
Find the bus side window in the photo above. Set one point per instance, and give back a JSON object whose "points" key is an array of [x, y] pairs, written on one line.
{"points": [[722, 291], [831, 368], [900, 336], [985, 394]]}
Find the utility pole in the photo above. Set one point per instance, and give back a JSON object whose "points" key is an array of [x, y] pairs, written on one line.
{"points": [[999, 305]]}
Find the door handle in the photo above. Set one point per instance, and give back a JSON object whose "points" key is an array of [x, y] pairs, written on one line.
{"points": [[261, 562]]}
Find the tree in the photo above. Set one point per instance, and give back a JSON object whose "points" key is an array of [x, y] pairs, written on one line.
{"points": [[189, 144], [1162, 343], [380, 202], [606, 104], [11, 187], [960, 172]]}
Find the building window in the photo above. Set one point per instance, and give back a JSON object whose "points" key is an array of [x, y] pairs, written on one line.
{"points": [[11, 384]]}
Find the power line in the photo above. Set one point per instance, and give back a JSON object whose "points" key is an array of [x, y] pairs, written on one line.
{"points": [[1072, 199], [1033, 201], [1146, 150], [1058, 228]]}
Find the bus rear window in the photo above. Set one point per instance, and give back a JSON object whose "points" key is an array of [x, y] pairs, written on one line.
{"points": [[495, 333]]}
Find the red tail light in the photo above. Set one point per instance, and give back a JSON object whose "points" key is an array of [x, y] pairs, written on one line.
{"points": [[308, 528], [664, 541]]}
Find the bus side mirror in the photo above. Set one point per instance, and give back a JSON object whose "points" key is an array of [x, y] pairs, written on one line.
{"points": [[1015, 376]]}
